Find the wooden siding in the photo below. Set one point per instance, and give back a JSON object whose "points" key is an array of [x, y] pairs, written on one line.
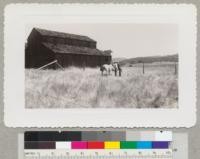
{"points": [[67, 60], [37, 54], [36, 58]]}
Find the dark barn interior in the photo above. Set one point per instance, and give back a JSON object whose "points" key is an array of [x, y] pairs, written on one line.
{"points": [[44, 46]]}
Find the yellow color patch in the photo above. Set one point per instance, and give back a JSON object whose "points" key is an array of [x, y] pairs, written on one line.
{"points": [[112, 145]]}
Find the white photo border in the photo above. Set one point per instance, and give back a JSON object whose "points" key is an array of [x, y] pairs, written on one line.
{"points": [[17, 15]]}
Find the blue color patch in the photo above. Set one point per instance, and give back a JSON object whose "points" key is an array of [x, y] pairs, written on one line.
{"points": [[144, 145], [160, 145]]}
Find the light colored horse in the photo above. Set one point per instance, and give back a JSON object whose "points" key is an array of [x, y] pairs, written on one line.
{"points": [[117, 68], [108, 68]]}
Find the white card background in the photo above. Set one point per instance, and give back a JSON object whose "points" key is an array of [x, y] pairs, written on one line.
{"points": [[18, 15]]}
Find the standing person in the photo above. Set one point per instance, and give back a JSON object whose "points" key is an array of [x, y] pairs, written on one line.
{"points": [[119, 69], [115, 69]]}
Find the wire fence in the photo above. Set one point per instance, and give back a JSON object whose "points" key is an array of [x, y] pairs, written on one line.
{"points": [[145, 67]]}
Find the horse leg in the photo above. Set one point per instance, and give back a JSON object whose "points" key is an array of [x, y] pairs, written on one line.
{"points": [[119, 72]]}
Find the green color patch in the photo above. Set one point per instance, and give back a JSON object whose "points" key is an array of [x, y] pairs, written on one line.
{"points": [[128, 145]]}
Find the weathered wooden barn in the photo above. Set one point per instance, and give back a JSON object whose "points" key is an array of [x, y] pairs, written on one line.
{"points": [[44, 46]]}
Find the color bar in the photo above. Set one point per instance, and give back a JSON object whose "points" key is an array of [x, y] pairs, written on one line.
{"points": [[132, 136], [70, 136], [160, 145], [128, 145], [63, 145], [118, 136], [104, 136], [163, 136], [79, 145], [40, 136], [30, 145], [112, 145], [89, 136], [147, 136], [40, 145], [144, 145], [52, 136], [46, 145], [95, 145]]}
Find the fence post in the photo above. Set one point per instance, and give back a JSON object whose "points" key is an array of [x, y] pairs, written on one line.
{"points": [[143, 67]]}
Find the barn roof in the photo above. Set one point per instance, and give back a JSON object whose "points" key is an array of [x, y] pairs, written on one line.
{"points": [[68, 49], [45, 32]]}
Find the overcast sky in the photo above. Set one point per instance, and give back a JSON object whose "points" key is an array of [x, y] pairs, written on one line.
{"points": [[125, 40]]}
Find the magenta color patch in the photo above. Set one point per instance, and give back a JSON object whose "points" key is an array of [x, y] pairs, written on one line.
{"points": [[79, 145]]}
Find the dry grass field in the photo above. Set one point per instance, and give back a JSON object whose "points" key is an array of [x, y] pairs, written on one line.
{"points": [[78, 88]]}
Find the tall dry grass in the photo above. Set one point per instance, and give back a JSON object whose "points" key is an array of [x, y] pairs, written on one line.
{"points": [[75, 88]]}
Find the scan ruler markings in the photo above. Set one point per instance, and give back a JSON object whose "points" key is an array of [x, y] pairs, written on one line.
{"points": [[97, 145]]}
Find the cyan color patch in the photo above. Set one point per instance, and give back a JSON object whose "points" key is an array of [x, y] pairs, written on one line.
{"points": [[144, 145]]}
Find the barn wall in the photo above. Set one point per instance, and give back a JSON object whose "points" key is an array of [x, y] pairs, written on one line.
{"points": [[34, 40], [44, 57], [67, 60], [33, 45], [105, 60], [40, 57], [37, 55]]}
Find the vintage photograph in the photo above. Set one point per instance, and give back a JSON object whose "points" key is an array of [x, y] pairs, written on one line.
{"points": [[90, 65], [105, 65]]}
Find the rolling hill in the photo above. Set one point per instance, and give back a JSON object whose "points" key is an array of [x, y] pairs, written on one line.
{"points": [[118, 59], [150, 59]]}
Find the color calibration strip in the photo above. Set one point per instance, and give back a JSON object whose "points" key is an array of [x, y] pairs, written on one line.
{"points": [[98, 136], [178, 148], [98, 145], [97, 140]]}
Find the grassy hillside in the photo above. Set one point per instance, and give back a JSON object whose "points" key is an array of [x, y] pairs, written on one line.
{"points": [[118, 59], [150, 59], [75, 88]]}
